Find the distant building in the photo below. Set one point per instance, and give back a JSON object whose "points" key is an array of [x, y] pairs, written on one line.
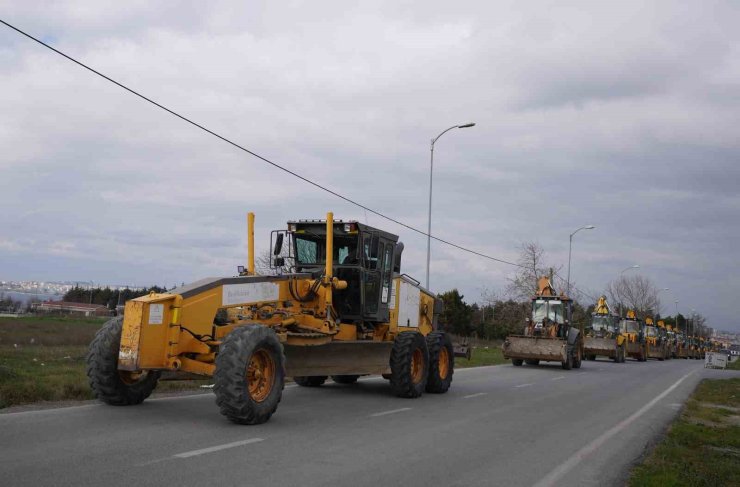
{"points": [[64, 307]]}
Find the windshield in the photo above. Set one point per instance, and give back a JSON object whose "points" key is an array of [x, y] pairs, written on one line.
{"points": [[310, 250], [601, 323], [651, 331], [630, 326], [552, 309]]}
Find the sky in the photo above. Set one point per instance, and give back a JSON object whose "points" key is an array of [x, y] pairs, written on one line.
{"points": [[623, 115]]}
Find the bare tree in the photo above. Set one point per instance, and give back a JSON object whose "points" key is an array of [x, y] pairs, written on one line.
{"points": [[262, 263], [523, 285], [637, 293]]}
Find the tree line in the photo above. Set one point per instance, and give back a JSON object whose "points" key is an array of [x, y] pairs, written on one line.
{"points": [[106, 296], [495, 317]]}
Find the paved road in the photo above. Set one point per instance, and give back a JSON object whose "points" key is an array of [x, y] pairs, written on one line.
{"points": [[500, 425]]}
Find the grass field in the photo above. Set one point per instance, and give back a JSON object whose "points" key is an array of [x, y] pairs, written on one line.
{"points": [[481, 356], [43, 359], [702, 448]]}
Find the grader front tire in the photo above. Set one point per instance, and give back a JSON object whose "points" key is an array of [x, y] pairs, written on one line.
{"points": [[250, 374], [441, 362], [114, 387], [409, 364]]}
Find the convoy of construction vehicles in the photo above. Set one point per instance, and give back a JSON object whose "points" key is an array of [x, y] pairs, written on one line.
{"points": [[336, 304]]}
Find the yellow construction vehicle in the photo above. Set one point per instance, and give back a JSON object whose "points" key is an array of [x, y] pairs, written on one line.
{"points": [[665, 339], [694, 347], [548, 335], [602, 336], [672, 339], [655, 344], [344, 310], [634, 331], [682, 345]]}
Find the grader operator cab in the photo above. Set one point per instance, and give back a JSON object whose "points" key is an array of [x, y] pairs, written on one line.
{"points": [[634, 331], [338, 307], [548, 335], [602, 337]]}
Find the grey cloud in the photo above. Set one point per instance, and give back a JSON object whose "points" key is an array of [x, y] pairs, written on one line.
{"points": [[621, 115]]}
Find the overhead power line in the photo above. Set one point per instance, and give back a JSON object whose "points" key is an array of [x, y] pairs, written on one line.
{"points": [[254, 154]]}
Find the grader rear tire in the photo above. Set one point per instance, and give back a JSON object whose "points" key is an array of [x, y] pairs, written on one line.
{"points": [[345, 379], [441, 362], [250, 374], [409, 365], [310, 380], [110, 385]]}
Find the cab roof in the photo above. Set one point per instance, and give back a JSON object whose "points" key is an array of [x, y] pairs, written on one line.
{"points": [[318, 227]]}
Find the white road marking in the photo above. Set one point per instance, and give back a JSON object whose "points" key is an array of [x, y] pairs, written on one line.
{"points": [[48, 411], [558, 377], [557, 473], [216, 448], [523, 385], [477, 394], [392, 411]]}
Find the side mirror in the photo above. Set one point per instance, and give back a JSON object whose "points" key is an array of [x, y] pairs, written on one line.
{"points": [[278, 244]]}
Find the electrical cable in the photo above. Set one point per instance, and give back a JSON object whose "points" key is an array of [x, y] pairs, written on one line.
{"points": [[254, 154], [274, 164]]}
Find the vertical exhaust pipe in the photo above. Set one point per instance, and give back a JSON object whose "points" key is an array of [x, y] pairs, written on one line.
{"points": [[329, 246], [250, 243], [329, 270]]}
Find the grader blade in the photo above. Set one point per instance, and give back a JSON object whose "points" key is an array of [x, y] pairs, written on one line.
{"points": [[535, 348], [338, 358]]}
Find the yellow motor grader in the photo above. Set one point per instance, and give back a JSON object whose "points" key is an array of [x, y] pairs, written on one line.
{"points": [[634, 331], [655, 343], [342, 309], [602, 336], [548, 335]]}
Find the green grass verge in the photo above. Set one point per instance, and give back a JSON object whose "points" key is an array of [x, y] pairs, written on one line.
{"points": [[702, 447], [734, 365], [482, 356], [43, 359]]}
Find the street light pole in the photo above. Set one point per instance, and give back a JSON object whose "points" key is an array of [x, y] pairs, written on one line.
{"points": [[570, 249], [431, 173]]}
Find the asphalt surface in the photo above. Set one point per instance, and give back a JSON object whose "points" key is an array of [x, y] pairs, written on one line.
{"points": [[499, 425]]}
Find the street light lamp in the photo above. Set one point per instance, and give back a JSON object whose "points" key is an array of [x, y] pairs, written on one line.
{"points": [[431, 172], [636, 266], [570, 249]]}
